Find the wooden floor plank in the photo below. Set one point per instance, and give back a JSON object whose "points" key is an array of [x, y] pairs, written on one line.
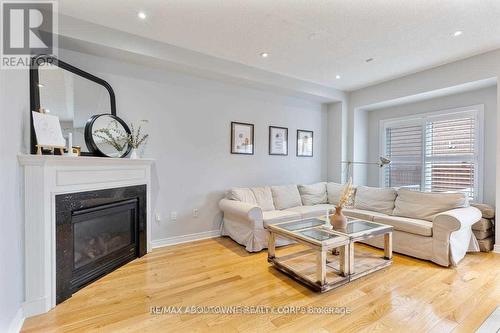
{"points": [[411, 295]]}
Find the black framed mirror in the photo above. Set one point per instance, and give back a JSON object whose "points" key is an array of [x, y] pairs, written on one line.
{"points": [[106, 136], [70, 93]]}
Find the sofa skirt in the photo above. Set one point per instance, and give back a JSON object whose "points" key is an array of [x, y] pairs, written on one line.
{"points": [[253, 239]]}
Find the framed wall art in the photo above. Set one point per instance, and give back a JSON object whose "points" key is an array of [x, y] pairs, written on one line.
{"points": [[48, 132], [242, 138], [278, 140], [304, 143]]}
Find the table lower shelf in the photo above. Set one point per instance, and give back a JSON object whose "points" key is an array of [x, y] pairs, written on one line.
{"points": [[366, 262], [302, 266]]}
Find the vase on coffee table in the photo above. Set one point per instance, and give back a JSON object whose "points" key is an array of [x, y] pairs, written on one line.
{"points": [[338, 220]]}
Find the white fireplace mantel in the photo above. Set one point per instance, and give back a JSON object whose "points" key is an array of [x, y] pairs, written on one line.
{"points": [[47, 176]]}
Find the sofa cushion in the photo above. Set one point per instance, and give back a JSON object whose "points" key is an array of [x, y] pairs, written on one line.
{"points": [[426, 205], [487, 210], [334, 190], [313, 194], [486, 245], [264, 197], [361, 214], [242, 194], [277, 216], [405, 224], [376, 199], [311, 211], [482, 225], [483, 234], [286, 196]]}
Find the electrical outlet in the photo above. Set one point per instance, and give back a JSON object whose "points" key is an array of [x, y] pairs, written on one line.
{"points": [[196, 212], [158, 217], [173, 216]]}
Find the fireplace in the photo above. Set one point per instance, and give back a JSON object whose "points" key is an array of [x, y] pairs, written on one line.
{"points": [[97, 232]]}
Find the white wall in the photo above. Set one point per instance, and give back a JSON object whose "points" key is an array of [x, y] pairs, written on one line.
{"points": [[14, 110], [189, 123], [486, 96], [337, 140]]}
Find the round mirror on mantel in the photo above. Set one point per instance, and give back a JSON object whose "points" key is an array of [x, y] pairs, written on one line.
{"points": [[106, 135]]}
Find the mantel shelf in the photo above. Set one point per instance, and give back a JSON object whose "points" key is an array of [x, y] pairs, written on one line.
{"points": [[28, 159]]}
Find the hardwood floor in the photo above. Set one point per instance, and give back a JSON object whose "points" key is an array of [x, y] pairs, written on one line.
{"points": [[409, 296]]}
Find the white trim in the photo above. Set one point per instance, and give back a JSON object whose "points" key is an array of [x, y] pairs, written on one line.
{"points": [[157, 243], [17, 322], [477, 110], [419, 116], [496, 248], [491, 323], [480, 161], [36, 306]]}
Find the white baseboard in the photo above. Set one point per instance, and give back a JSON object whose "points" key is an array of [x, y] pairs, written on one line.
{"points": [[35, 307], [156, 243], [17, 322], [496, 249]]}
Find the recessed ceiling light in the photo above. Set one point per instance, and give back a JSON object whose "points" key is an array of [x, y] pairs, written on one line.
{"points": [[142, 15], [314, 35], [40, 85], [264, 54], [369, 60], [458, 33], [337, 77]]}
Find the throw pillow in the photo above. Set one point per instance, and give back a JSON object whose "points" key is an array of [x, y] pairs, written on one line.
{"points": [[313, 194]]}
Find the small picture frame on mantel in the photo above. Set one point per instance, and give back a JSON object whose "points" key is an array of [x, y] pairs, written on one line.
{"points": [[305, 143], [242, 138], [48, 132], [278, 140]]}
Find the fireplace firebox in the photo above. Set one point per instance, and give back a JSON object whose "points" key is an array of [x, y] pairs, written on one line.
{"points": [[97, 232]]}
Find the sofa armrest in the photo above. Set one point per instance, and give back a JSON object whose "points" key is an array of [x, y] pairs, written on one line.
{"points": [[456, 219], [241, 210]]}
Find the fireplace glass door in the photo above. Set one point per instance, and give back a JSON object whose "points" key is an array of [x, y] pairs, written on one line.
{"points": [[103, 236]]}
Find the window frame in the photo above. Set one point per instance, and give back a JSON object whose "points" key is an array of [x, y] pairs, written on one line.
{"points": [[477, 111]]}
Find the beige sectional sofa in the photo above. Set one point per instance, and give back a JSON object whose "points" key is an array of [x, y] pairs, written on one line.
{"points": [[430, 226]]}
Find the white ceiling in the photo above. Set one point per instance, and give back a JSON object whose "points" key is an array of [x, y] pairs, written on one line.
{"points": [[313, 40]]}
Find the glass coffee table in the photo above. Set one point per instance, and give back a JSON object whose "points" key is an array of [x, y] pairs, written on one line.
{"points": [[319, 266]]}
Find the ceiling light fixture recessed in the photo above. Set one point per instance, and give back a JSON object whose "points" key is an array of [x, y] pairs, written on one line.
{"points": [[264, 54], [314, 36], [337, 77], [142, 15], [458, 33]]}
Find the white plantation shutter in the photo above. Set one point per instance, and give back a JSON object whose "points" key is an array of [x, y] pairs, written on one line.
{"points": [[451, 154], [435, 153], [404, 148]]}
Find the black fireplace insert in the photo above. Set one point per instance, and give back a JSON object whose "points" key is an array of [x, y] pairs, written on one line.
{"points": [[97, 232]]}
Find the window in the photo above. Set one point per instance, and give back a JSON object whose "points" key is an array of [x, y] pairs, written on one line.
{"points": [[435, 152]]}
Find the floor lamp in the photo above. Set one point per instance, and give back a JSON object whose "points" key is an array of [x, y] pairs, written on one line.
{"points": [[383, 161]]}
